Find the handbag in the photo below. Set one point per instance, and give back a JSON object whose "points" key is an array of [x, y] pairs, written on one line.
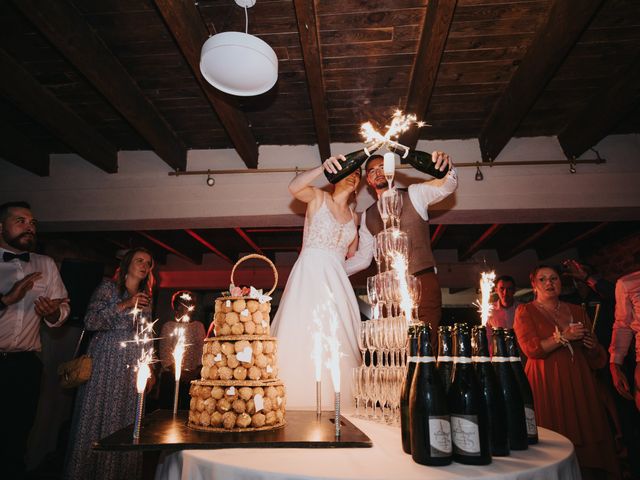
{"points": [[77, 371]]}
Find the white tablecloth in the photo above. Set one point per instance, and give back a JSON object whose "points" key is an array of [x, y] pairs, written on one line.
{"points": [[552, 459]]}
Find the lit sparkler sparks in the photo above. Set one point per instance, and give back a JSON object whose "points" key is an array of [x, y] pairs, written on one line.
{"points": [[400, 268], [400, 123], [485, 307]]}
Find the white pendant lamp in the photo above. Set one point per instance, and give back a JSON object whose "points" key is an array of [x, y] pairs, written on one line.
{"points": [[238, 63]]}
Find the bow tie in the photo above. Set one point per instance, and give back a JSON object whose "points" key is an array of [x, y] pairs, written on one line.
{"points": [[8, 256]]}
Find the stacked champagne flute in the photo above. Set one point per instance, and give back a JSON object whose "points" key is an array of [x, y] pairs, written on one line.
{"points": [[394, 295]]}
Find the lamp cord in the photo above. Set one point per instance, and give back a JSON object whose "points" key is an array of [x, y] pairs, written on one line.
{"points": [[246, 20]]}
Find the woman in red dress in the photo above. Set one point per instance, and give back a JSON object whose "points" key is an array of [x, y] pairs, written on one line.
{"points": [[562, 354]]}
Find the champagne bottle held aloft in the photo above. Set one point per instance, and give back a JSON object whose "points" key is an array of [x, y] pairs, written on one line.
{"points": [[420, 161], [428, 409], [469, 419], [514, 405], [523, 382], [445, 356], [491, 393], [405, 424], [351, 163]]}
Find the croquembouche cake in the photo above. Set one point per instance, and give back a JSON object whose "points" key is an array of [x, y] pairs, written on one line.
{"points": [[239, 388]]}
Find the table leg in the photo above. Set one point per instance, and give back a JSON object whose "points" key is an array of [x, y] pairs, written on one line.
{"points": [[149, 463]]}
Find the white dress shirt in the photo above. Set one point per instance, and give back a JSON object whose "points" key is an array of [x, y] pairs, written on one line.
{"points": [[422, 195], [627, 318], [19, 323]]}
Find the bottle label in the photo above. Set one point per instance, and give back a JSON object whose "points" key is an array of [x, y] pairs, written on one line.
{"points": [[515, 359], [445, 358], [465, 434], [461, 360], [479, 359], [440, 436], [499, 359], [421, 359], [530, 416]]}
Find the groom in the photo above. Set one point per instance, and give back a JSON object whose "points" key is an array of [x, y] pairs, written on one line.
{"points": [[415, 221]]}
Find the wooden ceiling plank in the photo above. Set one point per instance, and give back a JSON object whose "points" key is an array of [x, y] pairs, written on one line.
{"points": [[190, 33], [63, 25], [602, 114], [207, 244], [573, 242], [310, 43], [40, 104], [434, 34], [564, 23], [477, 245], [16, 148], [188, 257], [250, 242], [522, 246], [437, 235]]}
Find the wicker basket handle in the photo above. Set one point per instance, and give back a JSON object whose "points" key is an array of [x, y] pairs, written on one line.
{"points": [[260, 257]]}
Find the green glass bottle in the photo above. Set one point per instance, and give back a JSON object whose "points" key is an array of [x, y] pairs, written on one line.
{"points": [[420, 161], [351, 163]]}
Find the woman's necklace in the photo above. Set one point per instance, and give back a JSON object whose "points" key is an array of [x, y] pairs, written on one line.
{"points": [[552, 313]]}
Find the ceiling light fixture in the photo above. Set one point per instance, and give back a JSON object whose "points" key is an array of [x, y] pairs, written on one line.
{"points": [[238, 63]]}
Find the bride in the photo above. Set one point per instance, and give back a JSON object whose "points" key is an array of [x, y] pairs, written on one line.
{"points": [[318, 287]]}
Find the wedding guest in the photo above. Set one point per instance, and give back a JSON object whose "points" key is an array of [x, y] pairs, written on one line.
{"points": [[562, 355], [504, 308], [31, 291], [107, 401], [625, 327], [414, 220]]}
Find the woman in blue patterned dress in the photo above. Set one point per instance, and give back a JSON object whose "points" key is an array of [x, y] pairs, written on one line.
{"points": [[106, 403]]}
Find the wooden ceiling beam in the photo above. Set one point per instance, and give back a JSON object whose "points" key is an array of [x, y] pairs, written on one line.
{"points": [[564, 23], [28, 95], [550, 252], [196, 260], [601, 115], [310, 43], [207, 244], [63, 25], [524, 244], [20, 150], [190, 33], [437, 234], [477, 245], [250, 242], [425, 67]]}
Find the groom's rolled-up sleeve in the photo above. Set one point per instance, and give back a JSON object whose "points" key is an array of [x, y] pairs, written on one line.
{"points": [[363, 256]]}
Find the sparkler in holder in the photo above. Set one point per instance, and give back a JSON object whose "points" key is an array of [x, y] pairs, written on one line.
{"points": [[333, 362], [184, 304], [143, 338], [316, 355], [485, 306]]}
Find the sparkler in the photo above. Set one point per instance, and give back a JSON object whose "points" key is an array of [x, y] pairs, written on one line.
{"points": [[143, 338], [333, 362], [400, 123], [400, 268], [180, 346], [485, 307], [316, 354]]}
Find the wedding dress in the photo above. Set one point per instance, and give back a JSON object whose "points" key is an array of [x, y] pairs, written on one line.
{"points": [[318, 290]]}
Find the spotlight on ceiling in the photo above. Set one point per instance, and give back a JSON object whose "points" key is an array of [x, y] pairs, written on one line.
{"points": [[210, 180], [238, 63]]}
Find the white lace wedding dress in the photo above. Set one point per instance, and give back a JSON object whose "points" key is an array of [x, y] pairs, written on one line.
{"points": [[318, 282]]}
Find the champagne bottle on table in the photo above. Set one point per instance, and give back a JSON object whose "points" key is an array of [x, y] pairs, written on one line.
{"points": [[420, 161], [445, 358], [469, 418], [523, 382], [428, 409], [491, 393], [514, 405], [352, 162], [405, 425]]}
